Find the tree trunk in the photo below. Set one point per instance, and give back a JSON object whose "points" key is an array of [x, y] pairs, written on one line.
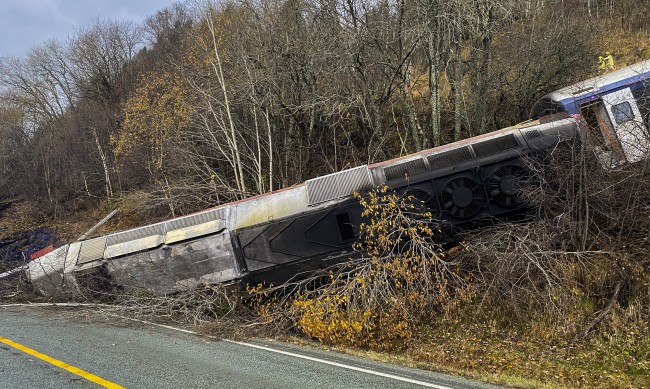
{"points": [[107, 173], [456, 81], [268, 126], [414, 125], [433, 56], [258, 161], [239, 170]]}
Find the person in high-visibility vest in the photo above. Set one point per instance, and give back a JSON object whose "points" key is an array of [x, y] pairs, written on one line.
{"points": [[601, 64], [608, 60]]}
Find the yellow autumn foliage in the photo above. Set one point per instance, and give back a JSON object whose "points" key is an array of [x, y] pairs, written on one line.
{"points": [[154, 114], [399, 278]]}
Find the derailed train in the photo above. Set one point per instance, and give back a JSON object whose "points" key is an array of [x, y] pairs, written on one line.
{"points": [[280, 235]]}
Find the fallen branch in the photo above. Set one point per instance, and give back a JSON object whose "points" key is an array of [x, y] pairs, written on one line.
{"points": [[602, 314], [14, 271]]}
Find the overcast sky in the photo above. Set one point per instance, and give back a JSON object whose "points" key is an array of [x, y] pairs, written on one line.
{"points": [[28, 23]]}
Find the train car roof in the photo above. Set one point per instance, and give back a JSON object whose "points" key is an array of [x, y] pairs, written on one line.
{"points": [[288, 198], [460, 143], [606, 82], [597, 85]]}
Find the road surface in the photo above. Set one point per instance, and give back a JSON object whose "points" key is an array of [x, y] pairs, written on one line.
{"points": [[45, 348]]}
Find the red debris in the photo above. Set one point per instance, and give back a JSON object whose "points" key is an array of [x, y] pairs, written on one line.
{"points": [[41, 252]]}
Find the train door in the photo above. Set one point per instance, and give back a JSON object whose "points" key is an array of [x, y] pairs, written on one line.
{"points": [[600, 133], [628, 124]]}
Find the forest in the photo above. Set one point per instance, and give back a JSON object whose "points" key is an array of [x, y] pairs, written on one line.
{"points": [[210, 102]]}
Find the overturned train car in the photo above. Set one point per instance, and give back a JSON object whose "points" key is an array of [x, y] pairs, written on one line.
{"points": [[277, 236]]}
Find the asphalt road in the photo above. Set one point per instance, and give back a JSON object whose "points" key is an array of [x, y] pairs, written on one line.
{"points": [[50, 349]]}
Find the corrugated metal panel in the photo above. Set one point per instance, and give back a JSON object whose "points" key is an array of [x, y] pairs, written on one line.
{"points": [[449, 158], [138, 233], [92, 249], [196, 219], [405, 169], [531, 134], [495, 145], [338, 185]]}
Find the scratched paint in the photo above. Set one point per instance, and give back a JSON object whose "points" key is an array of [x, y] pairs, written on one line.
{"points": [[133, 246], [269, 208], [182, 234]]}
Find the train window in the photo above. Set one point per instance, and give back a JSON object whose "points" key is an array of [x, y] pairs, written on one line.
{"points": [[622, 112], [642, 95]]}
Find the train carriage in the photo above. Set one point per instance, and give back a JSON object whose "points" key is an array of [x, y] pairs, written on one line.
{"points": [[277, 236], [617, 104]]}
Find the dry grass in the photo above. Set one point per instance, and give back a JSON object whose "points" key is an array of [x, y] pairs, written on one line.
{"points": [[487, 345], [482, 343]]}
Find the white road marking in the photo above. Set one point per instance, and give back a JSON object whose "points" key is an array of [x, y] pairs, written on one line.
{"points": [[295, 355], [341, 365]]}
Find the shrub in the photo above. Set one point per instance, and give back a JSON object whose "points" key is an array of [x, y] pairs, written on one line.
{"points": [[398, 277]]}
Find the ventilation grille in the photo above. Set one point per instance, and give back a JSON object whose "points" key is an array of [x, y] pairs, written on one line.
{"points": [[345, 226], [449, 158], [495, 145], [405, 169], [532, 134], [193, 220], [138, 233], [92, 249], [338, 185]]}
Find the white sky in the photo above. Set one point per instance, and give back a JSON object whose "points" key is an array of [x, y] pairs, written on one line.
{"points": [[28, 23]]}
